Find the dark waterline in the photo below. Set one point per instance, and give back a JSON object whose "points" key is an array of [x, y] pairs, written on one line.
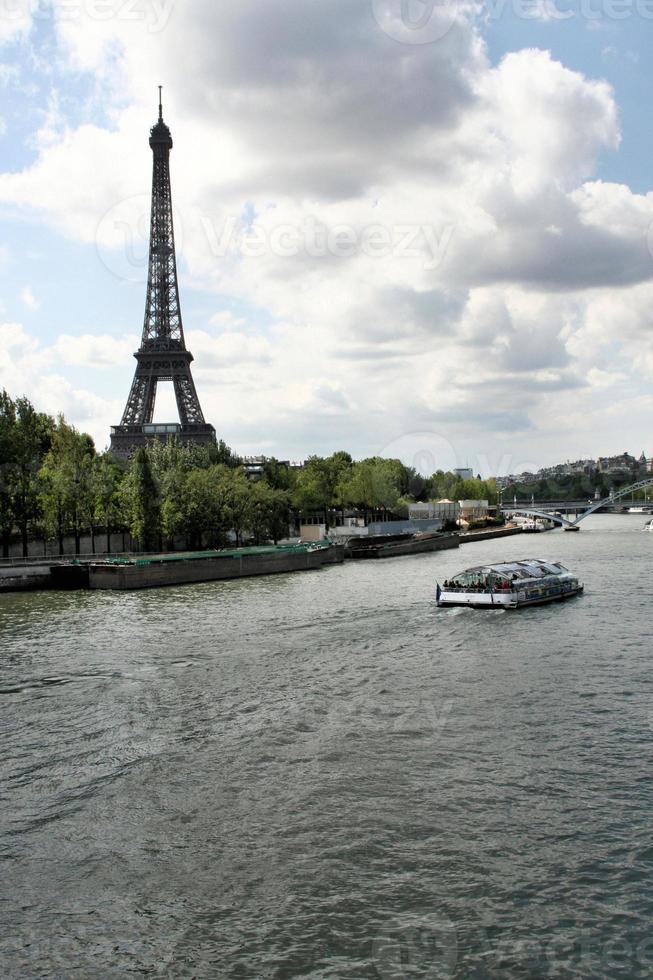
{"points": [[323, 775]]}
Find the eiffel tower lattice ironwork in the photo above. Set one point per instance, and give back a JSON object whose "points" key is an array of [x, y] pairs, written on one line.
{"points": [[162, 355]]}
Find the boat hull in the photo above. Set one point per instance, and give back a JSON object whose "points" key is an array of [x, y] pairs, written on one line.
{"points": [[505, 600]]}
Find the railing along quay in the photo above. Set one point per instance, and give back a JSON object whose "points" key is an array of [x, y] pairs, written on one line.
{"points": [[62, 559]]}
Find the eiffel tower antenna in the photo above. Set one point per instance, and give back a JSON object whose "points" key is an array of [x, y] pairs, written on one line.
{"points": [[162, 355]]}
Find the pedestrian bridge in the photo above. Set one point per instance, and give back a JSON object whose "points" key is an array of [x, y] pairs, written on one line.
{"points": [[564, 522]]}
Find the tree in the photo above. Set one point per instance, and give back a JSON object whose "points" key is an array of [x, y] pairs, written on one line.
{"points": [[107, 480], [7, 465], [278, 476], [223, 455], [141, 497], [443, 486], [173, 504], [319, 483], [204, 507], [236, 492], [66, 475], [52, 496], [375, 485], [269, 513], [33, 434], [199, 502]]}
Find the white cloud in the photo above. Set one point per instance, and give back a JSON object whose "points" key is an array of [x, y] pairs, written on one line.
{"points": [[493, 318], [15, 21], [95, 350], [29, 299], [28, 368]]}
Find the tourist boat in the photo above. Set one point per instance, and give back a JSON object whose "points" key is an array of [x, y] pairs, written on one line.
{"points": [[509, 585], [532, 525]]}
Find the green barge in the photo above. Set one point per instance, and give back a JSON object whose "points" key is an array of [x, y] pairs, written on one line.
{"points": [[155, 571]]}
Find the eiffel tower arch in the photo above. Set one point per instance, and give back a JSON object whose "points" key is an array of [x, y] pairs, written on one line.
{"points": [[162, 355]]}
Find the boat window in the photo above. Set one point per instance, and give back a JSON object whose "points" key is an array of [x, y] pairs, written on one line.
{"points": [[534, 570]]}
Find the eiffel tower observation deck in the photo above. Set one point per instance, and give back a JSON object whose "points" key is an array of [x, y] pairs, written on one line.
{"points": [[162, 355]]}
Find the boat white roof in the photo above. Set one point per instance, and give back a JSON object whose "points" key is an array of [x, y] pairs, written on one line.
{"points": [[525, 568]]}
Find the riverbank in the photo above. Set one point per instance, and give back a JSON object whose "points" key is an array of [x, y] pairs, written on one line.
{"points": [[156, 571]]}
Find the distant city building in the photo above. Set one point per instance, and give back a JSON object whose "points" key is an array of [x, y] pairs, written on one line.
{"points": [[254, 466], [464, 474], [622, 463], [446, 510], [473, 509]]}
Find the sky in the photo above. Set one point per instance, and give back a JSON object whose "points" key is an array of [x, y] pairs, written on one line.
{"points": [[411, 228]]}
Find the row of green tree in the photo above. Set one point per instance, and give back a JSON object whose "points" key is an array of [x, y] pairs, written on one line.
{"points": [[376, 486], [54, 484]]}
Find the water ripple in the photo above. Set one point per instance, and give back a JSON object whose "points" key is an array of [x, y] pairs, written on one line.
{"points": [[326, 776]]}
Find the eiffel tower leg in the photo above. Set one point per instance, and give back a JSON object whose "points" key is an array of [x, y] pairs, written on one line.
{"points": [[140, 404], [188, 404], [150, 400]]}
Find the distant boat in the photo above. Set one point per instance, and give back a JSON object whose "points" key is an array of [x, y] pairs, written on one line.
{"points": [[648, 526], [509, 585], [532, 525]]}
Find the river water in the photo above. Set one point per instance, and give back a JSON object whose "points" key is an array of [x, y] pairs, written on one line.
{"points": [[323, 775]]}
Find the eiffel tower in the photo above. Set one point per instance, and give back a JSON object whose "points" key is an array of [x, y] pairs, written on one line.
{"points": [[163, 355]]}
